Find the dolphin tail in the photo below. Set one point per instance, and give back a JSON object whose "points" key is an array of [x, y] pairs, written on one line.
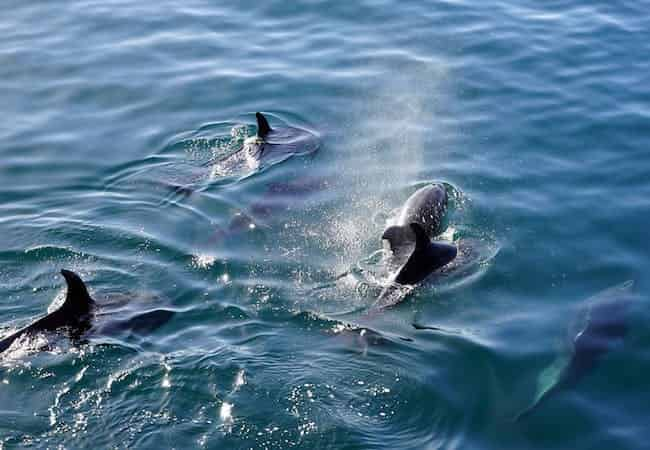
{"points": [[263, 127], [77, 299]]}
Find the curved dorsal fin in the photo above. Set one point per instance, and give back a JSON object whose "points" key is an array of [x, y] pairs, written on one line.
{"points": [[77, 298], [263, 127]]}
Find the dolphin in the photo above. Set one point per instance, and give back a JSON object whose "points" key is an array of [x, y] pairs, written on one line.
{"points": [[427, 207], [77, 314], [414, 256], [604, 326], [268, 146]]}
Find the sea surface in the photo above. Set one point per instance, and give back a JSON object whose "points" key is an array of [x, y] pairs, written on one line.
{"points": [[114, 117]]}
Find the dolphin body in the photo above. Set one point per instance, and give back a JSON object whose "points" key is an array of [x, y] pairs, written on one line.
{"points": [[77, 313], [414, 255], [605, 325]]}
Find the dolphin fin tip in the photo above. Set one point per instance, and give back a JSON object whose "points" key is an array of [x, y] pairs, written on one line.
{"points": [[77, 293], [69, 275]]}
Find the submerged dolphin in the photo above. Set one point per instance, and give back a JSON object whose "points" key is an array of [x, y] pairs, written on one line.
{"points": [[605, 325], [77, 313]]}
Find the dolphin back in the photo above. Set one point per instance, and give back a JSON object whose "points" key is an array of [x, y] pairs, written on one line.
{"points": [[427, 207]]}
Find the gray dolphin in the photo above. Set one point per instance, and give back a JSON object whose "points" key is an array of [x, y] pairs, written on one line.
{"points": [[269, 146], [604, 325], [77, 313], [413, 254]]}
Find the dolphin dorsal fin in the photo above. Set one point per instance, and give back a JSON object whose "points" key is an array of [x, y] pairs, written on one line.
{"points": [[263, 127], [77, 298], [421, 239]]}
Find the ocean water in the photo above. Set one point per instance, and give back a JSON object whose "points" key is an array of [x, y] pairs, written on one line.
{"points": [[536, 115]]}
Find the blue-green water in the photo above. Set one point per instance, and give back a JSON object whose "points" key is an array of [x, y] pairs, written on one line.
{"points": [[535, 113]]}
